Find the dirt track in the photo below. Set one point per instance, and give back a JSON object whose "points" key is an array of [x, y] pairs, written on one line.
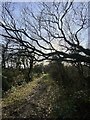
{"points": [[29, 107]]}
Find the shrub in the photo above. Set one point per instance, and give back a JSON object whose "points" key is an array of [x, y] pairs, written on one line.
{"points": [[5, 84]]}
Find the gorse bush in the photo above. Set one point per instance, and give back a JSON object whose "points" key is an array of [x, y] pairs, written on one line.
{"points": [[5, 84], [76, 103], [58, 72], [7, 79], [68, 75], [13, 77]]}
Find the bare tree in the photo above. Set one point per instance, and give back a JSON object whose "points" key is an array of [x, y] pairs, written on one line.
{"points": [[48, 30]]}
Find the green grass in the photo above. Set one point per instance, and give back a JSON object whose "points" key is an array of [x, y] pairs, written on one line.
{"points": [[19, 93], [46, 100]]}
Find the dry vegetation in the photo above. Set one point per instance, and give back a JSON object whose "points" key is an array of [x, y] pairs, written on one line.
{"points": [[37, 98]]}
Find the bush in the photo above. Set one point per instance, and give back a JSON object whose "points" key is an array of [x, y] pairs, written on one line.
{"points": [[38, 69], [7, 79], [5, 84], [82, 102], [59, 74], [12, 77]]}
